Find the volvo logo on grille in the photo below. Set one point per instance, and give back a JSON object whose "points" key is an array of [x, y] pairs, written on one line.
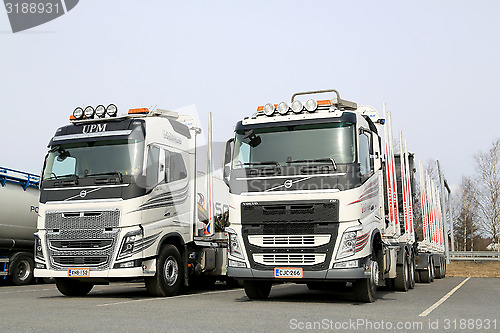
{"points": [[288, 183], [83, 194]]}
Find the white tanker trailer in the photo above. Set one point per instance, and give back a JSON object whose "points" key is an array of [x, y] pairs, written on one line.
{"points": [[19, 196]]}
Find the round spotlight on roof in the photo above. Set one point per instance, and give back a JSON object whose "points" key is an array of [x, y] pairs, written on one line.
{"points": [[78, 113], [112, 110], [283, 108], [311, 105], [100, 111], [269, 109], [297, 106], [89, 112]]}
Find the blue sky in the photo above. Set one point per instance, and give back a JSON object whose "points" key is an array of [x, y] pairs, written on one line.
{"points": [[435, 64]]}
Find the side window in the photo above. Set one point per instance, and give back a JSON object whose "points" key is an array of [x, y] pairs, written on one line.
{"points": [[364, 154], [176, 168], [152, 167]]}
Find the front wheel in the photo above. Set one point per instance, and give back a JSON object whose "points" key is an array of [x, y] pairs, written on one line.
{"points": [[22, 270], [69, 287], [257, 289], [366, 289], [169, 273]]}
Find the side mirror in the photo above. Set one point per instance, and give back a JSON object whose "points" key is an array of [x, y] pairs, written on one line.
{"points": [[227, 160]]}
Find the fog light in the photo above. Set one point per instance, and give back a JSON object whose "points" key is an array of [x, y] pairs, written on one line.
{"points": [[347, 264], [127, 264], [235, 263], [311, 105]]}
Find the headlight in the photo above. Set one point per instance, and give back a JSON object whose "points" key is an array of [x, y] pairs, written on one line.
{"points": [[269, 109], [78, 113], [311, 105], [89, 112], [112, 110], [347, 245], [127, 248], [100, 111], [38, 249], [234, 245], [297, 106], [283, 108]]}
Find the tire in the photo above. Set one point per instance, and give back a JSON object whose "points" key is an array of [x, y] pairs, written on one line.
{"points": [[402, 279], [257, 290], [418, 279], [412, 272], [365, 290], [425, 276], [69, 287], [432, 272], [439, 269], [169, 273], [22, 269]]}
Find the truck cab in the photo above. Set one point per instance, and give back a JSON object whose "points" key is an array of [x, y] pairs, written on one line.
{"points": [[306, 196], [119, 200]]}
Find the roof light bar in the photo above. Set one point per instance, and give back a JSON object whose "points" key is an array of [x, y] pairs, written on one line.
{"points": [[89, 112]]}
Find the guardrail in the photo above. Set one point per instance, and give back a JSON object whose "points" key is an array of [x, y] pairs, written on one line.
{"points": [[475, 255]]}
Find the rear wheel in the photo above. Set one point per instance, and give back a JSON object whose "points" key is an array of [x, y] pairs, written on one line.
{"points": [[169, 273], [425, 276], [439, 269], [366, 289], [22, 270], [69, 287], [257, 289], [402, 277]]}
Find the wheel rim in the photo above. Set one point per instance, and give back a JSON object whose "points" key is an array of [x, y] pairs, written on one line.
{"points": [[171, 271], [23, 270], [374, 275]]}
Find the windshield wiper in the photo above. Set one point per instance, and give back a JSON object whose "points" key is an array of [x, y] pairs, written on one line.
{"points": [[329, 159], [59, 181], [113, 173], [263, 163]]}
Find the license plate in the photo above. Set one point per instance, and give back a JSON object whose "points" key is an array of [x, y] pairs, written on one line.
{"points": [[288, 272], [79, 272]]}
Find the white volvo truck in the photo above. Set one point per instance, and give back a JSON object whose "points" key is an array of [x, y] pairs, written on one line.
{"points": [[314, 199], [121, 198]]}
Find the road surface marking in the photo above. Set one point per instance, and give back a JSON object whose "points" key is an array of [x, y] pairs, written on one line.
{"points": [[444, 298]]}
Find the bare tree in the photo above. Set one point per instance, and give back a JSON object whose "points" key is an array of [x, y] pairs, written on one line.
{"points": [[487, 190], [466, 215]]}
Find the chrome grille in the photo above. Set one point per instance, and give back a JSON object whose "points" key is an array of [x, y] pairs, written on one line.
{"points": [[288, 240], [82, 239], [289, 258]]}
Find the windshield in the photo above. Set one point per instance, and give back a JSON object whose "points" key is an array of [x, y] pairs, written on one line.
{"points": [[84, 159], [280, 146]]}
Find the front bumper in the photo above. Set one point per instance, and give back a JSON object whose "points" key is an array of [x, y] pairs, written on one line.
{"points": [[111, 273], [343, 274]]}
